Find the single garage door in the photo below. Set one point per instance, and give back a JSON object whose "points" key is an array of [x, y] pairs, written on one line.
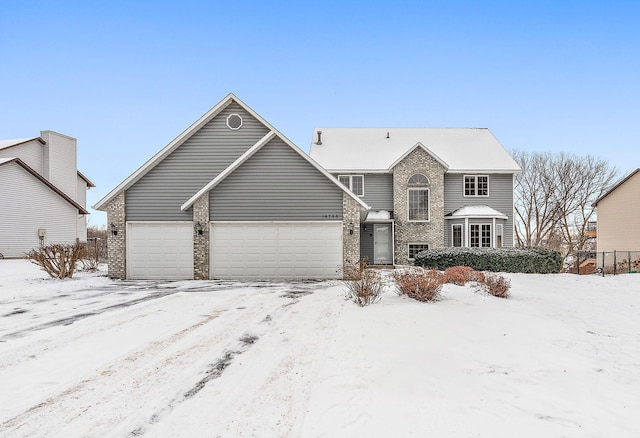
{"points": [[160, 250], [268, 250]]}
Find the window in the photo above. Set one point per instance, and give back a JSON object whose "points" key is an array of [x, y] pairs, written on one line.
{"points": [[480, 235], [418, 180], [456, 235], [234, 121], [476, 185], [499, 235], [415, 248], [355, 183], [419, 205]]}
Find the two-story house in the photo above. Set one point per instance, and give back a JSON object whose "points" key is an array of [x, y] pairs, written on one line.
{"points": [[42, 195], [427, 187]]}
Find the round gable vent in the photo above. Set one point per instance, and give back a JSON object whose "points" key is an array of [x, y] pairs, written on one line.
{"points": [[234, 121]]}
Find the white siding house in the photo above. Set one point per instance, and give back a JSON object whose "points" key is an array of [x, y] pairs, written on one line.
{"points": [[43, 196]]}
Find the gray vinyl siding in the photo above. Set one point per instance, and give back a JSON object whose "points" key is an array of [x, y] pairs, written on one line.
{"points": [[366, 243], [33, 206], [500, 198], [378, 190], [275, 184], [159, 194]]}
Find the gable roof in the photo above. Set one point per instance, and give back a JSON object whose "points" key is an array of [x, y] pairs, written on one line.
{"points": [[25, 166], [5, 144], [378, 149], [424, 148], [195, 127], [612, 189]]}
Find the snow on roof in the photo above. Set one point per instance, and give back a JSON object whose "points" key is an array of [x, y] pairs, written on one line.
{"points": [[476, 211], [378, 215], [4, 160], [376, 149], [15, 141]]}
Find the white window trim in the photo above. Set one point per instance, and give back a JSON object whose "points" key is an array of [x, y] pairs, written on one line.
{"points": [[461, 235], [241, 121], [409, 249], [411, 189], [491, 237], [464, 194], [350, 186]]}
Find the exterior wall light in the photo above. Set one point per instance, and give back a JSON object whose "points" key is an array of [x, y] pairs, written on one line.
{"points": [[350, 227], [114, 229], [198, 228]]}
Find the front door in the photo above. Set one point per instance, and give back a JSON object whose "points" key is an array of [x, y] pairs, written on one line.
{"points": [[382, 253]]}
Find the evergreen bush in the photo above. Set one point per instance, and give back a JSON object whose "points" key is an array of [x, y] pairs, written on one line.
{"points": [[522, 260]]}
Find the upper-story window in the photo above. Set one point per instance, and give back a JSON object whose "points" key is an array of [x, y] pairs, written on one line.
{"points": [[418, 198], [476, 185], [355, 183], [418, 180]]}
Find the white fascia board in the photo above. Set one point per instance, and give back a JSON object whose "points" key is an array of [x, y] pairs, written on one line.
{"points": [[164, 152], [358, 171], [426, 149], [229, 170]]}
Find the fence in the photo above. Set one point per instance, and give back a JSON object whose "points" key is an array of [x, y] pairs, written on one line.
{"points": [[605, 263], [618, 262]]}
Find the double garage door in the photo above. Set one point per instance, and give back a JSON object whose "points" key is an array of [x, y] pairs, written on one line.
{"points": [[238, 250]]}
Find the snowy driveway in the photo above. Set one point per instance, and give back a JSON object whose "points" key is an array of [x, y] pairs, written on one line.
{"points": [[136, 358], [93, 357]]}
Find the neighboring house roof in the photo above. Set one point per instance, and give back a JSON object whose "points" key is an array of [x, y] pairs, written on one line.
{"points": [[18, 161], [476, 211], [5, 144], [612, 189], [378, 149], [89, 183], [195, 127]]}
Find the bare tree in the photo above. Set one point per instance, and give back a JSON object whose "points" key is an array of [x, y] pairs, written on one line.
{"points": [[553, 197]]}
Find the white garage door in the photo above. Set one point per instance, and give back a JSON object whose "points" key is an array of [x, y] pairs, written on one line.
{"points": [[268, 250], [160, 250]]}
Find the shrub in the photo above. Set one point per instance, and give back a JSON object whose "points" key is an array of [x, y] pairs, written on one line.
{"points": [[364, 285], [525, 260], [459, 275], [496, 285], [59, 261], [419, 284]]}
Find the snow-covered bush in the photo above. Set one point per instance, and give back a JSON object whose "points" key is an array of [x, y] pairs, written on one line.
{"points": [[496, 285], [364, 285], [524, 260], [418, 283], [57, 260]]}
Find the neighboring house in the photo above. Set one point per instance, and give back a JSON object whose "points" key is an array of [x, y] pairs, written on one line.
{"points": [[42, 196], [427, 188], [231, 198], [619, 215]]}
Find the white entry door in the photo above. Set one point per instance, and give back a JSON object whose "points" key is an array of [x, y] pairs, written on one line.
{"points": [[276, 250], [382, 245]]}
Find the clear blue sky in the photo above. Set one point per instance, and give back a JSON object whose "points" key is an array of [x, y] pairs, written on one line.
{"points": [[126, 77]]}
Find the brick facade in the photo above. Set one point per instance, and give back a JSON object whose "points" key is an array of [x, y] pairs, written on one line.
{"points": [[431, 232], [201, 242], [350, 242], [116, 244]]}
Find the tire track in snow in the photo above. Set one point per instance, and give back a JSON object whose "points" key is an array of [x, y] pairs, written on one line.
{"points": [[137, 377]]}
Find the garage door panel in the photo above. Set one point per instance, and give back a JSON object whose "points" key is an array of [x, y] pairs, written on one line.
{"points": [[160, 250], [276, 250]]}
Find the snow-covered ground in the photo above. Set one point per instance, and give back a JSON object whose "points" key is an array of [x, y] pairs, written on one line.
{"points": [[94, 357]]}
